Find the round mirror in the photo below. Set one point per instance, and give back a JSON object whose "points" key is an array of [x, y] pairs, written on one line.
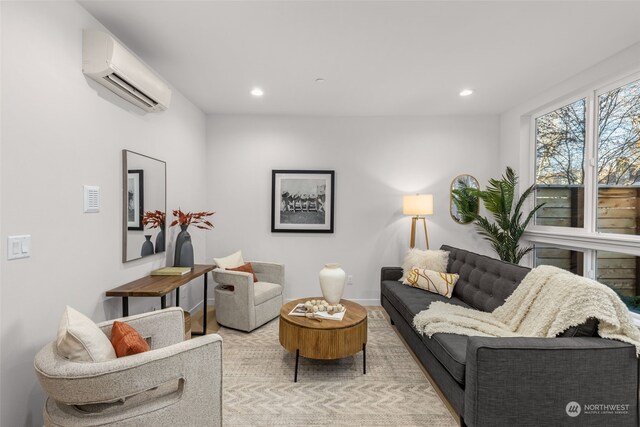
{"points": [[463, 198]]}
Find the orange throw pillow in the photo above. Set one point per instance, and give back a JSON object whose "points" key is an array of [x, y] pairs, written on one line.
{"points": [[126, 340], [246, 269]]}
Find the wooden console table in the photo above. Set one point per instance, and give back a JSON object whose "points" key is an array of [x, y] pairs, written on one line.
{"points": [[160, 286]]}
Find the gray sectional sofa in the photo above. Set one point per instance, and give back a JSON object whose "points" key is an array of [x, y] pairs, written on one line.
{"points": [[515, 381]]}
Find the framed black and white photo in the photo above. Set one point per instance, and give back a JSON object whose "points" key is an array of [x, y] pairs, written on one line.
{"points": [[302, 201], [135, 197]]}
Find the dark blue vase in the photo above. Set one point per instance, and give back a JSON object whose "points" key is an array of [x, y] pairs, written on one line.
{"points": [[147, 246], [184, 238], [160, 241]]}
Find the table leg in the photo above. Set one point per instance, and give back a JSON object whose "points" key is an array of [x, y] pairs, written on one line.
{"points": [[125, 306], [163, 302], [364, 359], [295, 375], [204, 312], [204, 304], [178, 296]]}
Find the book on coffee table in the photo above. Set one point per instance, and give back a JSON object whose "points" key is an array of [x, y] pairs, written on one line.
{"points": [[301, 310]]}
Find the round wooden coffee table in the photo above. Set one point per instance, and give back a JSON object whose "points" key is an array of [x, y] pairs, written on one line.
{"points": [[325, 339]]}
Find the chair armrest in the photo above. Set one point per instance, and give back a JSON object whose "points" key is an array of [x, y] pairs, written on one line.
{"points": [[390, 273], [81, 383], [241, 282], [161, 328], [509, 380], [269, 272]]}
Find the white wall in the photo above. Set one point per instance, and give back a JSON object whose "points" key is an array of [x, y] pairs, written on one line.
{"points": [[377, 160], [514, 123], [58, 133]]}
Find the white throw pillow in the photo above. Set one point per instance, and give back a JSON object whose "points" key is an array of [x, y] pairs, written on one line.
{"points": [[80, 340], [232, 261], [432, 281], [430, 260]]}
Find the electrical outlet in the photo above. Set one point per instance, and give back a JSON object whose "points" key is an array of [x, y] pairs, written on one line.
{"points": [[349, 280]]}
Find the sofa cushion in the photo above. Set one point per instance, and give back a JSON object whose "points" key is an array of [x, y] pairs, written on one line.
{"points": [[264, 291], [410, 301], [451, 351], [485, 283]]}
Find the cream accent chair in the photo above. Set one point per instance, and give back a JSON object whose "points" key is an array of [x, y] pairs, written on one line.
{"points": [[177, 383], [244, 305]]}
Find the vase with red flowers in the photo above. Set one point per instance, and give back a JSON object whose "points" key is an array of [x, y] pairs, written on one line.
{"points": [[184, 248], [156, 219]]}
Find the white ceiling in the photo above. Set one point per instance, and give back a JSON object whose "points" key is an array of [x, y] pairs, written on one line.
{"points": [[377, 58]]}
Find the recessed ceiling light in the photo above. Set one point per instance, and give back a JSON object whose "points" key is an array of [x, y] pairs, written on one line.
{"points": [[257, 92], [319, 80], [466, 92]]}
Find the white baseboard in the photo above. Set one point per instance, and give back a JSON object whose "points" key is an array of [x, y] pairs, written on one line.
{"points": [[198, 306]]}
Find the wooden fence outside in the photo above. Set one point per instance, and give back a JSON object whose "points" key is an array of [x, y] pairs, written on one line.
{"points": [[618, 212]]}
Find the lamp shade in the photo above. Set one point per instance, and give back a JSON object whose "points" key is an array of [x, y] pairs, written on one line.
{"points": [[418, 204]]}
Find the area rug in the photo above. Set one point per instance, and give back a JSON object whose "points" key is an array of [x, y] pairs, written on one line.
{"points": [[259, 388]]}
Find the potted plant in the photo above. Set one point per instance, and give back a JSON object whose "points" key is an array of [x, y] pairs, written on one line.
{"points": [[506, 228]]}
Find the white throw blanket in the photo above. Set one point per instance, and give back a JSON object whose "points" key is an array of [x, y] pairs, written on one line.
{"points": [[548, 301]]}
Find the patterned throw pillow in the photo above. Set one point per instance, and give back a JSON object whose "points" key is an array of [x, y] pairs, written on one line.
{"points": [[430, 260], [246, 268], [432, 281], [126, 340]]}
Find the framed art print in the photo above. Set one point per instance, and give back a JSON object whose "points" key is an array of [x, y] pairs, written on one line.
{"points": [[302, 201], [135, 190]]}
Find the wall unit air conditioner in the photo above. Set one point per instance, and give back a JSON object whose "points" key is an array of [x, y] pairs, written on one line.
{"points": [[109, 63]]}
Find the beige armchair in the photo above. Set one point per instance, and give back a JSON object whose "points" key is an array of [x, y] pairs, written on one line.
{"points": [[244, 305], [176, 383]]}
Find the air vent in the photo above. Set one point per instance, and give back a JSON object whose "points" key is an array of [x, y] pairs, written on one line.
{"points": [[117, 81]]}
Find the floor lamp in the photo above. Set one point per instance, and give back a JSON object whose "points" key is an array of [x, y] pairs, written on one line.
{"points": [[418, 206]]}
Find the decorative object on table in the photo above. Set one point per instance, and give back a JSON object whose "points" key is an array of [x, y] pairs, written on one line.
{"points": [[507, 227], [332, 279], [464, 192], [302, 201], [184, 248], [156, 219], [418, 205], [319, 309], [147, 246], [171, 271], [135, 198]]}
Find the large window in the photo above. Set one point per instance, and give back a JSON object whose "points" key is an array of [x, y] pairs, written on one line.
{"points": [[560, 142], [587, 172], [618, 171]]}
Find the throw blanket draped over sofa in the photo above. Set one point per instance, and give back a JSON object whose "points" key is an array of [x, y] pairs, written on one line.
{"points": [[547, 302]]}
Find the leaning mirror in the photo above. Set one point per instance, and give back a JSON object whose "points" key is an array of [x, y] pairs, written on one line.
{"points": [[464, 200], [145, 203]]}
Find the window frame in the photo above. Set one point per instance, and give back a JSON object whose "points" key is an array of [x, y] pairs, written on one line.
{"points": [[587, 237]]}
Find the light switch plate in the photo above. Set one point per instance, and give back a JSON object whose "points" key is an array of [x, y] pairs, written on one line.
{"points": [[19, 246]]}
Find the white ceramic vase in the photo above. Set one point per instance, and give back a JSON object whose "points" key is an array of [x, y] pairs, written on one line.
{"points": [[332, 279]]}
